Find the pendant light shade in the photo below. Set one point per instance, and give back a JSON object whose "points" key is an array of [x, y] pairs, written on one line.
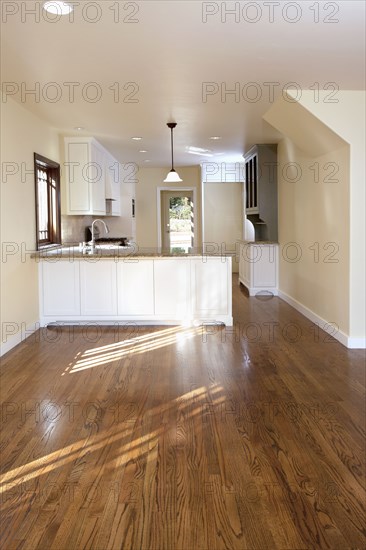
{"points": [[173, 176]]}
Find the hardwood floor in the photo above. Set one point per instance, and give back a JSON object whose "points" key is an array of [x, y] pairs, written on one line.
{"points": [[165, 438]]}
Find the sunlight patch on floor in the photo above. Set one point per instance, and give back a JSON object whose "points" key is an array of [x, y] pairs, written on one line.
{"points": [[195, 404], [133, 346]]}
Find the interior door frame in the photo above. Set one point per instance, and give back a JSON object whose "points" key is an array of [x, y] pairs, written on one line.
{"points": [[159, 190]]}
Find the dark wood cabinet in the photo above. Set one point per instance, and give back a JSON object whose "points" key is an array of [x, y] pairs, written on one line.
{"points": [[261, 206]]}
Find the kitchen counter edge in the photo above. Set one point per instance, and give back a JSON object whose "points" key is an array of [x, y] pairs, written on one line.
{"points": [[256, 242], [120, 255]]}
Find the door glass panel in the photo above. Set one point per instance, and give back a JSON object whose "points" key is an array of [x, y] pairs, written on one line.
{"points": [[181, 222], [177, 221]]}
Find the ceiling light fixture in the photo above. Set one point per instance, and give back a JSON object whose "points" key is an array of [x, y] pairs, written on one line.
{"points": [[137, 138], [79, 128], [172, 176], [58, 8], [143, 151], [215, 137]]}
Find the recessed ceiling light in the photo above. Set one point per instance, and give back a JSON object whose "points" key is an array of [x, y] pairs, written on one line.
{"points": [[79, 128], [142, 151], [56, 7], [215, 137], [147, 160], [137, 138]]}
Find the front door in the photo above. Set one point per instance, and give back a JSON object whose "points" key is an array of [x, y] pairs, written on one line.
{"points": [[177, 220]]}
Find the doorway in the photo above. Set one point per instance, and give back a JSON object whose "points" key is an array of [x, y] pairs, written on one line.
{"points": [[177, 223]]}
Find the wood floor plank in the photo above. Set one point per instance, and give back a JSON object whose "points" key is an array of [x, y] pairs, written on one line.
{"points": [[185, 438]]}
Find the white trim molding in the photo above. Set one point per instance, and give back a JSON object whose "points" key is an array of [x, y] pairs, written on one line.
{"points": [[327, 326], [356, 343], [24, 332]]}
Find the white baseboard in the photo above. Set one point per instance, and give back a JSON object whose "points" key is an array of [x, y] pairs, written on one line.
{"points": [[24, 332], [356, 343], [327, 326]]}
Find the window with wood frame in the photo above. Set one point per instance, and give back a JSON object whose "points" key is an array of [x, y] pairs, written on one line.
{"points": [[48, 208]]}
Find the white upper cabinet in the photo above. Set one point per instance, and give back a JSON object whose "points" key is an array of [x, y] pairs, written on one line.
{"points": [[112, 185], [93, 178], [85, 176], [127, 222], [97, 178]]}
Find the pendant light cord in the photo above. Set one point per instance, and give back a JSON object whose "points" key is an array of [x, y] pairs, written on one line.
{"points": [[172, 176], [171, 141]]}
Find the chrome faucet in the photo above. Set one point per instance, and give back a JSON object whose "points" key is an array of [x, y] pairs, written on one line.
{"points": [[92, 242]]}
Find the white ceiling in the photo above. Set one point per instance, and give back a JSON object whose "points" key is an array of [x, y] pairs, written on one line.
{"points": [[169, 53]]}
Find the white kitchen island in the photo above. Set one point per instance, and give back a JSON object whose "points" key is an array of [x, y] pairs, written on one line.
{"points": [[153, 289]]}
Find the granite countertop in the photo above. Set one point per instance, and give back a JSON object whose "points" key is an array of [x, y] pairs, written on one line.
{"points": [[132, 252], [256, 242]]}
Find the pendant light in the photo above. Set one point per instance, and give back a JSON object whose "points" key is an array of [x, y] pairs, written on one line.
{"points": [[56, 7], [173, 176]]}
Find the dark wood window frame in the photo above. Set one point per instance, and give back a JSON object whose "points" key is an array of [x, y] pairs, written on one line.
{"points": [[53, 232]]}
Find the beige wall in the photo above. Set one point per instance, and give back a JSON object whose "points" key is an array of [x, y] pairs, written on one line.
{"points": [[315, 216], [347, 118], [326, 132], [22, 134], [149, 179], [223, 215]]}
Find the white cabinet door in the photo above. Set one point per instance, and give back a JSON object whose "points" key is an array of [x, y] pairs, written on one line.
{"points": [[265, 267], [127, 221], [258, 267], [112, 186], [85, 176], [241, 262], [135, 282], [97, 179], [76, 158], [210, 287], [60, 288], [172, 287], [245, 264], [98, 283]]}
